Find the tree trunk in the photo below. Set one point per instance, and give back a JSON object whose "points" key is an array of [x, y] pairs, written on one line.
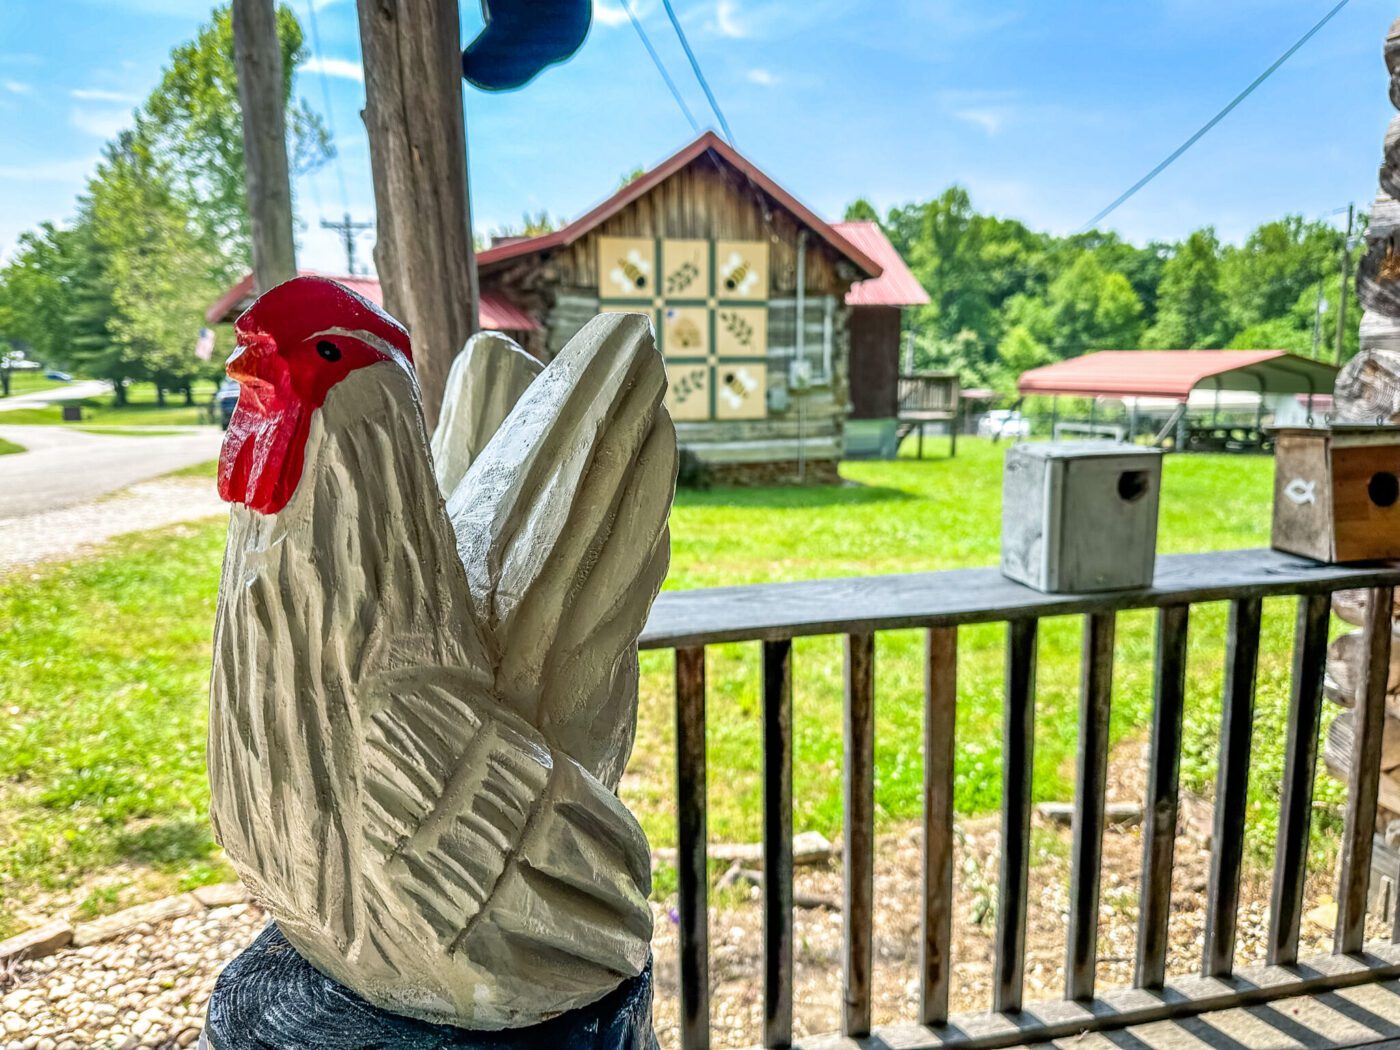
{"points": [[189, 394], [418, 156], [258, 57], [5, 381], [119, 392], [160, 394]]}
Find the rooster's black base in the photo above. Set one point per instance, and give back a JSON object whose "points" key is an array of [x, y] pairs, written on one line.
{"points": [[269, 998]]}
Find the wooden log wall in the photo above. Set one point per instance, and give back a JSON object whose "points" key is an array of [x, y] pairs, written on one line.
{"points": [[710, 200], [1368, 391]]}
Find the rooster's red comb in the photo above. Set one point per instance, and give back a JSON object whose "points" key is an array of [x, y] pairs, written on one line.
{"points": [[305, 306]]}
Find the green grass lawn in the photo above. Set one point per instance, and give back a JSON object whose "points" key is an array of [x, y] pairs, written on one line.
{"points": [[140, 410], [102, 700], [29, 382], [9, 448]]}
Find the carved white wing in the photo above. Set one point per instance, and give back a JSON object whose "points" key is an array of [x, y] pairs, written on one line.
{"points": [[485, 382], [561, 525]]}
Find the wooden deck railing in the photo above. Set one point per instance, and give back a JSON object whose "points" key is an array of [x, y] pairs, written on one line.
{"points": [[773, 614]]}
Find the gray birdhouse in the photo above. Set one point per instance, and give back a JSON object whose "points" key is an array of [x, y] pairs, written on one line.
{"points": [[1080, 516], [1337, 492]]}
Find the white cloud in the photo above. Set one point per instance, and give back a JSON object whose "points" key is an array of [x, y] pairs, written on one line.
{"points": [[761, 77], [990, 119], [608, 14], [103, 95], [335, 67], [16, 87], [103, 123], [727, 20]]}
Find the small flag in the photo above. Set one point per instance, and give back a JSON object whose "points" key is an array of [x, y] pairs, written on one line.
{"points": [[204, 348]]}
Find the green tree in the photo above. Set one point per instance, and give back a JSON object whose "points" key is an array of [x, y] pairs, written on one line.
{"points": [[861, 210], [1190, 303], [1019, 351], [1090, 308], [194, 124], [1263, 278], [160, 270]]}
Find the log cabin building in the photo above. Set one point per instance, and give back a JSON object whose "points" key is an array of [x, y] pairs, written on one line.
{"points": [[774, 323]]}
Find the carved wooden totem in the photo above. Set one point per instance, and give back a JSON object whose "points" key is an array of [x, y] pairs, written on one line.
{"points": [[420, 711]]}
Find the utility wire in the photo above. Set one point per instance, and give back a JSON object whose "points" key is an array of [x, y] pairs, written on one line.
{"points": [[326, 101], [699, 75], [1213, 120], [660, 68]]}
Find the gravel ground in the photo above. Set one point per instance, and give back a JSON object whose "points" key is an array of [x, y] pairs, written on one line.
{"points": [[147, 505], [145, 989], [149, 988]]}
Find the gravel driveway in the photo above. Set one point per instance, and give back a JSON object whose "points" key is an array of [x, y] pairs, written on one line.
{"points": [[63, 466]]}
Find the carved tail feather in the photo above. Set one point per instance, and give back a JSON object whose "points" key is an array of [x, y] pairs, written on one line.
{"points": [[571, 917], [487, 379], [516, 861], [561, 524]]}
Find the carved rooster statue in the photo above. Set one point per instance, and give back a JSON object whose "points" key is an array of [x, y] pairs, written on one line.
{"points": [[420, 712]]}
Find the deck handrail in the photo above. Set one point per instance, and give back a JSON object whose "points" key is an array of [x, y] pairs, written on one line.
{"points": [[929, 394], [941, 602]]}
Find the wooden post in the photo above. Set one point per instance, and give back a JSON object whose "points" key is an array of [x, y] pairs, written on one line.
{"points": [[418, 156], [257, 56]]}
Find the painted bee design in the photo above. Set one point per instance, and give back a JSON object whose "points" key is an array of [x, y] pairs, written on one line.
{"points": [[633, 273], [739, 276], [736, 386]]}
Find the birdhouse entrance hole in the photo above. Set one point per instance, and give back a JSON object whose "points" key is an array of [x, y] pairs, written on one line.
{"points": [[1383, 488], [1132, 484]]}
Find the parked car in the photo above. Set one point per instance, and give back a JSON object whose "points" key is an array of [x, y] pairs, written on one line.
{"points": [[225, 401], [1004, 423], [58, 377]]}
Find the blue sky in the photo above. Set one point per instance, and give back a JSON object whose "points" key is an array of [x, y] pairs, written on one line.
{"points": [[1045, 111]]}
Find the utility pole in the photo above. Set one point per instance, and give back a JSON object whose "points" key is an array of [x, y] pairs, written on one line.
{"points": [[1317, 319], [418, 157], [1342, 294], [347, 230], [257, 57]]}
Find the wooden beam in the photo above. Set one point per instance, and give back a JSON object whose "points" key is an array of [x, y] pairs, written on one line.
{"points": [[1018, 737], [859, 852], [767, 611], [1360, 826], [1091, 785], [1299, 771], [777, 844], [418, 157], [257, 57], [940, 710], [692, 875], [1163, 781]]}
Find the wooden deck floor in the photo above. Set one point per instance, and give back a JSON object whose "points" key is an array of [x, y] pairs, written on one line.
{"points": [[1365, 1016]]}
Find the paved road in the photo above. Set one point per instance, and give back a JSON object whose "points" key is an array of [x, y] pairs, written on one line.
{"points": [[68, 392], [63, 466]]}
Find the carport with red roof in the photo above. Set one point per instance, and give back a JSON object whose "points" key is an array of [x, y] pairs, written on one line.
{"points": [[1135, 376]]}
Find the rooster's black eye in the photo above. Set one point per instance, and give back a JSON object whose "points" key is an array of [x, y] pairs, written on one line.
{"points": [[328, 350]]}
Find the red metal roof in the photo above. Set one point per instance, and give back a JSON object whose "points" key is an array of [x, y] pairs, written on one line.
{"points": [[494, 311], [896, 285], [1175, 373], [644, 183]]}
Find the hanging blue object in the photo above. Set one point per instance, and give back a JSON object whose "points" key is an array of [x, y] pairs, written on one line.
{"points": [[521, 38]]}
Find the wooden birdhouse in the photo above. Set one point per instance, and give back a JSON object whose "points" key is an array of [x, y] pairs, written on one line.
{"points": [[1337, 492], [1080, 516]]}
